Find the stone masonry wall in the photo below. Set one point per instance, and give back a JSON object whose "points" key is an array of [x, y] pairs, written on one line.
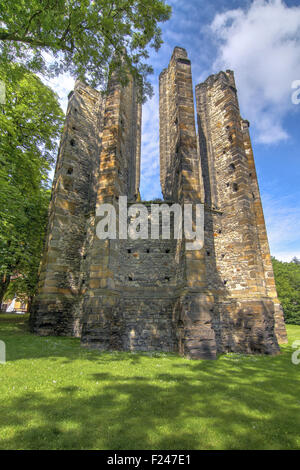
{"points": [[182, 181], [118, 176], [56, 308], [236, 248], [280, 329]]}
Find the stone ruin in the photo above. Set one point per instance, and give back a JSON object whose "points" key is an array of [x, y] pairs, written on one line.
{"points": [[155, 295]]}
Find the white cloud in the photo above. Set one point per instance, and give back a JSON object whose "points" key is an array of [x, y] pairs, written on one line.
{"points": [[262, 45], [62, 85], [287, 256]]}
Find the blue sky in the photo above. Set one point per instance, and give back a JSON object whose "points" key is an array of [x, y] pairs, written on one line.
{"points": [[260, 41]]}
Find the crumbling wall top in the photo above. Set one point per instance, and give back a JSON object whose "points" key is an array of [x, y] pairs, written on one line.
{"points": [[227, 76]]}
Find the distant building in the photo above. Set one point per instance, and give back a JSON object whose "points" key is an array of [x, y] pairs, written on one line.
{"points": [[14, 306]]}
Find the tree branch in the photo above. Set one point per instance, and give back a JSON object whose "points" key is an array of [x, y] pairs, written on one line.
{"points": [[30, 20], [30, 41]]}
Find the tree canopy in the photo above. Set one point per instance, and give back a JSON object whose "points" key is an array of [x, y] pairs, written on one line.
{"points": [[87, 38], [30, 125], [287, 277], [83, 37]]}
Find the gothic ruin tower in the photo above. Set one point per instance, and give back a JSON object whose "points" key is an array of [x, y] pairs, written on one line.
{"points": [[238, 257], [154, 293]]}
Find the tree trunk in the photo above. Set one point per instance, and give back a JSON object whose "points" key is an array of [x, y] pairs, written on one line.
{"points": [[29, 303], [3, 286]]}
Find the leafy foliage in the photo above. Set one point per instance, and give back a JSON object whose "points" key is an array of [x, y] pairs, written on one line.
{"points": [[30, 124], [83, 36], [287, 277]]}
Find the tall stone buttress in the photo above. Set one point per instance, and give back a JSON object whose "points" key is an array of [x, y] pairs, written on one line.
{"points": [[237, 258], [57, 306], [99, 158], [181, 182], [154, 293]]}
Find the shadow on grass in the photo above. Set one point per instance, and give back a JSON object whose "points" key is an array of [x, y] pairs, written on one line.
{"points": [[237, 402], [14, 330], [203, 408]]}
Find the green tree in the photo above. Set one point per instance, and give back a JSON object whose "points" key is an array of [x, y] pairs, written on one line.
{"points": [[83, 36], [30, 125], [287, 277], [24, 279]]}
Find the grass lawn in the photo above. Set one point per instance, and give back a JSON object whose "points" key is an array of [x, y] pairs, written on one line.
{"points": [[57, 395]]}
